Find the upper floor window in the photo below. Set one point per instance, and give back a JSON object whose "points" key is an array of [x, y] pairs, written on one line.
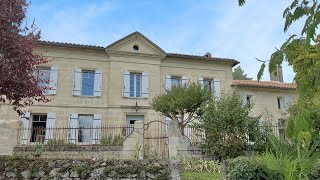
{"points": [[171, 81], [87, 88], [175, 80], [87, 82], [135, 84], [280, 102], [248, 99], [207, 83], [48, 79], [44, 75]]}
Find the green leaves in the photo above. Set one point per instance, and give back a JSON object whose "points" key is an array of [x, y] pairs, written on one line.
{"points": [[241, 2], [181, 100], [260, 73]]}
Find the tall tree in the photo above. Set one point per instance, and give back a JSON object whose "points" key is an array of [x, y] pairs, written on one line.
{"points": [[238, 74], [18, 61], [182, 103]]}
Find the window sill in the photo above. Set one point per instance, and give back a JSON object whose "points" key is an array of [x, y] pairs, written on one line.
{"points": [[135, 98], [83, 96]]}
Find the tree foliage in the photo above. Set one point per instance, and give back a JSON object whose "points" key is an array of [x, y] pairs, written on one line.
{"points": [[182, 103], [238, 74], [228, 125], [18, 82]]}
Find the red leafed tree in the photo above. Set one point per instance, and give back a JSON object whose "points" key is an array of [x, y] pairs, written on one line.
{"points": [[18, 61]]}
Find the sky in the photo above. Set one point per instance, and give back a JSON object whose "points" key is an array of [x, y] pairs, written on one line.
{"points": [[220, 27]]}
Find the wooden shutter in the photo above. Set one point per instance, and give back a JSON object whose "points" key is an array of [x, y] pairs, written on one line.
{"points": [[25, 118], [184, 80], [217, 88], [51, 122], [77, 82], [53, 80], [126, 84], [145, 85], [74, 127], [167, 82], [97, 83], [96, 128], [200, 81]]}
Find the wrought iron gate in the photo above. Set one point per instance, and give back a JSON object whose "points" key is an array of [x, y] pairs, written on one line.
{"points": [[156, 140]]}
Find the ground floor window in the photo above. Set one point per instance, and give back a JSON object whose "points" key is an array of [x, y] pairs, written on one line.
{"points": [[85, 128], [39, 122]]}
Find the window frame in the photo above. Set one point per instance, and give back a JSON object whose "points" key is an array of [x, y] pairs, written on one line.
{"points": [[135, 84], [47, 84], [37, 131], [211, 85], [279, 102], [87, 71], [179, 78]]}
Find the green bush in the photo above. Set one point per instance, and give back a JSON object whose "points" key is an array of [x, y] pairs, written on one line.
{"points": [[200, 166], [111, 140], [243, 168], [56, 142]]}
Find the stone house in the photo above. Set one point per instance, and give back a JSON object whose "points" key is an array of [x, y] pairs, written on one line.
{"points": [[93, 86]]}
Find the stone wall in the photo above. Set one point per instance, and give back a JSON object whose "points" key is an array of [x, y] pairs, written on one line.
{"points": [[13, 167]]}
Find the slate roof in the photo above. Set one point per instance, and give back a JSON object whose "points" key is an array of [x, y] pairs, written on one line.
{"points": [[264, 84], [175, 55]]}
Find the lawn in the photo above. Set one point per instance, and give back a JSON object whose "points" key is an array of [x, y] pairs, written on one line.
{"points": [[200, 176]]}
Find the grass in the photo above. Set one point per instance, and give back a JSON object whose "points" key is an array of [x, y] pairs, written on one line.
{"points": [[200, 176]]}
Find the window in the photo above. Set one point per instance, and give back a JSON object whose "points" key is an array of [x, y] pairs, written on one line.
{"points": [[85, 126], [44, 75], [39, 122], [130, 122], [87, 83], [279, 101], [175, 81], [135, 84], [207, 83], [248, 100]]}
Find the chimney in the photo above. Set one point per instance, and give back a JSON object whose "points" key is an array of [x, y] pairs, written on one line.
{"points": [[279, 76], [208, 55]]}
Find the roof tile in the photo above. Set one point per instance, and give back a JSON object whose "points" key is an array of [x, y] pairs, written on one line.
{"points": [[264, 84]]}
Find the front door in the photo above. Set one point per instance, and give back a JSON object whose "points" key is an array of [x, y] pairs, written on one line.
{"points": [[130, 119], [85, 128]]}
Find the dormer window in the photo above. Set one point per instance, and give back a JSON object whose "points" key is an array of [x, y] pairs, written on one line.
{"points": [[136, 47]]}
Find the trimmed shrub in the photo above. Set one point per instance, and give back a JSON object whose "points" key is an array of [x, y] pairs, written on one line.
{"points": [[243, 168]]}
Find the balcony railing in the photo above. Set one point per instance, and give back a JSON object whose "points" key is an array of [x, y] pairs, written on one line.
{"points": [[105, 135]]}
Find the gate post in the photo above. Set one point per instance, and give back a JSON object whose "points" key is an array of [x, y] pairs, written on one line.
{"points": [[177, 142], [134, 142]]}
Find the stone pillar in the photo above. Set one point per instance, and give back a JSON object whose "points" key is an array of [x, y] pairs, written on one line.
{"points": [[8, 137], [134, 142], [177, 142]]}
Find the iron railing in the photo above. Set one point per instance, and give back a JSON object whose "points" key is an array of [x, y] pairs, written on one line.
{"points": [[59, 136], [197, 136]]}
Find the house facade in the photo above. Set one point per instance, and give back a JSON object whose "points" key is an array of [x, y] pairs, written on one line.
{"points": [[93, 86]]}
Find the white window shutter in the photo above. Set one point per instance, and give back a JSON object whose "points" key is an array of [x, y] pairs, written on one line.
{"points": [[51, 122], [200, 81], [217, 88], [168, 82], [184, 80], [97, 83], [145, 85], [77, 82], [96, 128], [126, 84], [53, 80], [74, 127], [25, 118]]}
